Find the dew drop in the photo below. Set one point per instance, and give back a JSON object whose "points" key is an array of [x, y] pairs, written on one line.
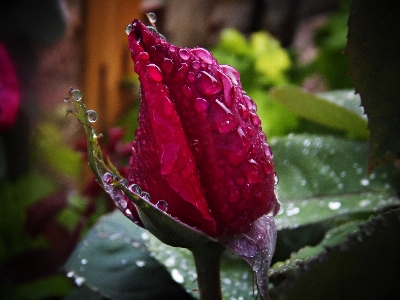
{"points": [[203, 54], [167, 65], [231, 72], [184, 54], [152, 17], [364, 203], [253, 171], [84, 261], [364, 182], [177, 276], [146, 196], [334, 205], [207, 84], [224, 119], [154, 72], [255, 119], [108, 178], [140, 263], [276, 179], [128, 212], [128, 28], [292, 211], [70, 274], [200, 104], [135, 188], [76, 94], [66, 99], [143, 56], [92, 116], [162, 205], [79, 280], [186, 91]]}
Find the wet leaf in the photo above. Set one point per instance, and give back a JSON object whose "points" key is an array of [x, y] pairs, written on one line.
{"points": [[322, 177], [336, 110], [373, 49], [323, 183], [114, 261], [236, 276], [363, 264]]}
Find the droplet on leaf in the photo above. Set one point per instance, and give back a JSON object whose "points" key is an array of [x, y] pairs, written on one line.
{"points": [[162, 205], [135, 188], [108, 178], [152, 17], [128, 28], [92, 116], [76, 94], [146, 196]]}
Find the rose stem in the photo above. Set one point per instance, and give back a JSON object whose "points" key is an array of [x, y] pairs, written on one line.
{"points": [[207, 259]]}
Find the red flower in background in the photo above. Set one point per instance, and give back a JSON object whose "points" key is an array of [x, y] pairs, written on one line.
{"points": [[9, 91], [199, 145]]}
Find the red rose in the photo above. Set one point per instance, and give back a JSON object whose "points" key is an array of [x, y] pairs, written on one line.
{"points": [[9, 91], [199, 145]]}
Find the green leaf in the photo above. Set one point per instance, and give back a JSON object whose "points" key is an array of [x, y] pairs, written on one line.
{"points": [[373, 49], [114, 261], [363, 265], [236, 276], [322, 177], [329, 109]]}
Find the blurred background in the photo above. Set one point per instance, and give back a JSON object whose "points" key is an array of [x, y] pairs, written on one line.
{"points": [[48, 199]]}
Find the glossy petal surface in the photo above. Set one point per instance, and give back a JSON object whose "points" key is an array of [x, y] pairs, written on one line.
{"points": [[199, 145]]}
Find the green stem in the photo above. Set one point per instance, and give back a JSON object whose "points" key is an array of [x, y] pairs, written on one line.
{"points": [[207, 259]]}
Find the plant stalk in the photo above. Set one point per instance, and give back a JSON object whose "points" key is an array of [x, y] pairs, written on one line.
{"points": [[207, 259]]}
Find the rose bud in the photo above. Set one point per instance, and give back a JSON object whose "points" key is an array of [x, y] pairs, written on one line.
{"points": [[199, 146]]}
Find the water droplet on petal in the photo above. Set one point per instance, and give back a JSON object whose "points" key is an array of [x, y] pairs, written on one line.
{"points": [[167, 65], [154, 72], [152, 17], [184, 54], [76, 94], [162, 205], [228, 88], [276, 179], [231, 72], [203, 54], [92, 116], [224, 119], [207, 84], [146, 196], [135, 188], [253, 171], [143, 56], [255, 119], [200, 104], [128, 28]]}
